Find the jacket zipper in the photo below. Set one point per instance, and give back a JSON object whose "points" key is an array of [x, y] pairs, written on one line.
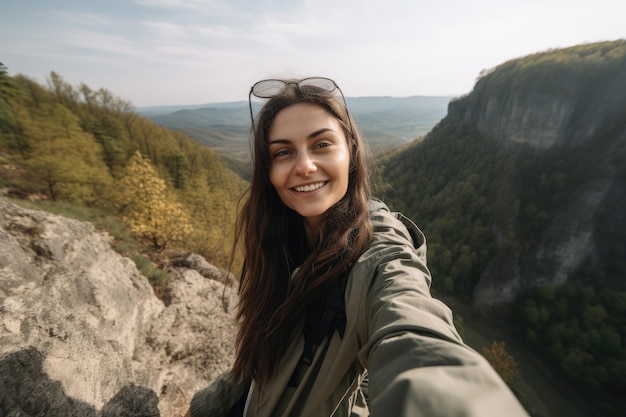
{"points": [[248, 399]]}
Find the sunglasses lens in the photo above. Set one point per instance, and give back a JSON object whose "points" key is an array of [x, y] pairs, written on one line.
{"points": [[324, 84], [267, 88]]}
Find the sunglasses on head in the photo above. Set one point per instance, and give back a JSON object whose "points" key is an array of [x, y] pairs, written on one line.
{"points": [[269, 88]]}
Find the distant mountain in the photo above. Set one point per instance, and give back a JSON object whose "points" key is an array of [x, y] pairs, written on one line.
{"points": [[150, 111], [386, 122], [389, 122]]}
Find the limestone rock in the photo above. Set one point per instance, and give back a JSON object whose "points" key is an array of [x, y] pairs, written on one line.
{"points": [[199, 264], [82, 333], [514, 109]]}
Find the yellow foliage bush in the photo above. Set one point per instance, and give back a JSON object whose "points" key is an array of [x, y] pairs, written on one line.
{"points": [[149, 212], [502, 361]]}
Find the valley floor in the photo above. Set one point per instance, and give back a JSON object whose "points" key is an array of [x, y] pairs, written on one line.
{"points": [[546, 393]]}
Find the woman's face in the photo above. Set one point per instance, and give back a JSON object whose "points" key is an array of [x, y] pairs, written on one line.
{"points": [[310, 160]]}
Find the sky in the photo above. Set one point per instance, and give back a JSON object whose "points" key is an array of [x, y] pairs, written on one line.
{"points": [[184, 52]]}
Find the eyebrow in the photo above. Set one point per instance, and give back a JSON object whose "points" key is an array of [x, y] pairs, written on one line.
{"points": [[309, 137]]}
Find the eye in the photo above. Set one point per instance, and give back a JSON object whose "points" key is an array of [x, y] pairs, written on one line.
{"points": [[320, 145], [281, 153]]}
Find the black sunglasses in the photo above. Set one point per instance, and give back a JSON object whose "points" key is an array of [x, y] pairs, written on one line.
{"points": [[270, 88]]}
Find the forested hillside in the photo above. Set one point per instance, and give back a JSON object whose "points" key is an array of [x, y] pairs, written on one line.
{"points": [[521, 192], [88, 149]]}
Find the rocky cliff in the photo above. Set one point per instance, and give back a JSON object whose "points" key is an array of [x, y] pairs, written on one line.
{"points": [[557, 98], [566, 108], [83, 334]]}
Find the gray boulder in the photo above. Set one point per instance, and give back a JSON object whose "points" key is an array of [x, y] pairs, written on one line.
{"points": [[82, 332]]}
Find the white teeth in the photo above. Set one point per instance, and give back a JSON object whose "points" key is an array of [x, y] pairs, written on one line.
{"points": [[310, 187]]}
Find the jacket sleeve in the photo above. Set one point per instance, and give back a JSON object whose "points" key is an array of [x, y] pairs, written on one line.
{"points": [[418, 365], [217, 399]]}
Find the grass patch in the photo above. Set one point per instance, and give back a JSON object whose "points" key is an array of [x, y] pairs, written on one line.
{"points": [[156, 275], [124, 242]]}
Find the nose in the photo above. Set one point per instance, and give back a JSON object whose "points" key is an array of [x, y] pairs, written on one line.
{"points": [[305, 164]]}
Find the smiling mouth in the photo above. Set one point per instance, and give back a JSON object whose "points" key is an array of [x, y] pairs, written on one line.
{"points": [[310, 187]]}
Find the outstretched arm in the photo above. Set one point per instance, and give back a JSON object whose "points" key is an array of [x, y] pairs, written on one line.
{"points": [[418, 364]]}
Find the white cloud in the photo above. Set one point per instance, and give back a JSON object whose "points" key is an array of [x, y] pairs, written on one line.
{"points": [[99, 42], [184, 4], [81, 18]]}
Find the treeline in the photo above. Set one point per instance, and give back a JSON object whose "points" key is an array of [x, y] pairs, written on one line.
{"points": [[588, 65], [579, 326], [88, 147], [444, 184]]}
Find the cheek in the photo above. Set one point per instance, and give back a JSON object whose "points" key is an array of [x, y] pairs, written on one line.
{"points": [[276, 177], [345, 167], [272, 177]]}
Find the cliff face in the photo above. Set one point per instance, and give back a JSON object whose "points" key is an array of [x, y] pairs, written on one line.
{"points": [[567, 106], [552, 99], [82, 333]]}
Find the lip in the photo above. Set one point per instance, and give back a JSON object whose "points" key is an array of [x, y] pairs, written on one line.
{"points": [[309, 187]]}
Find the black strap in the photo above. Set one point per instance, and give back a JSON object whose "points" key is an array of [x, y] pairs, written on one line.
{"points": [[325, 314], [239, 407]]}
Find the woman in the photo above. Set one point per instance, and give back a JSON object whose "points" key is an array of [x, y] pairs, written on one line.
{"points": [[335, 287]]}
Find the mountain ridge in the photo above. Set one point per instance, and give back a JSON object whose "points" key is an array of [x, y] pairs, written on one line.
{"points": [[352, 101], [524, 100], [520, 190]]}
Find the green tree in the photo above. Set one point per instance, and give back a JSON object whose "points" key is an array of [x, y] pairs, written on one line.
{"points": [[9, 122], [108, 132], [64, 92], [65, 160], [179, 167]]}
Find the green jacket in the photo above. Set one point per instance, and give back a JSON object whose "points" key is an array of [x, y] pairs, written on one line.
{"points": [[417, 363]]}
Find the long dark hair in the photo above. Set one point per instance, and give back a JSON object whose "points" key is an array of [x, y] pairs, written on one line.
{"points": [[271, 303]]}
